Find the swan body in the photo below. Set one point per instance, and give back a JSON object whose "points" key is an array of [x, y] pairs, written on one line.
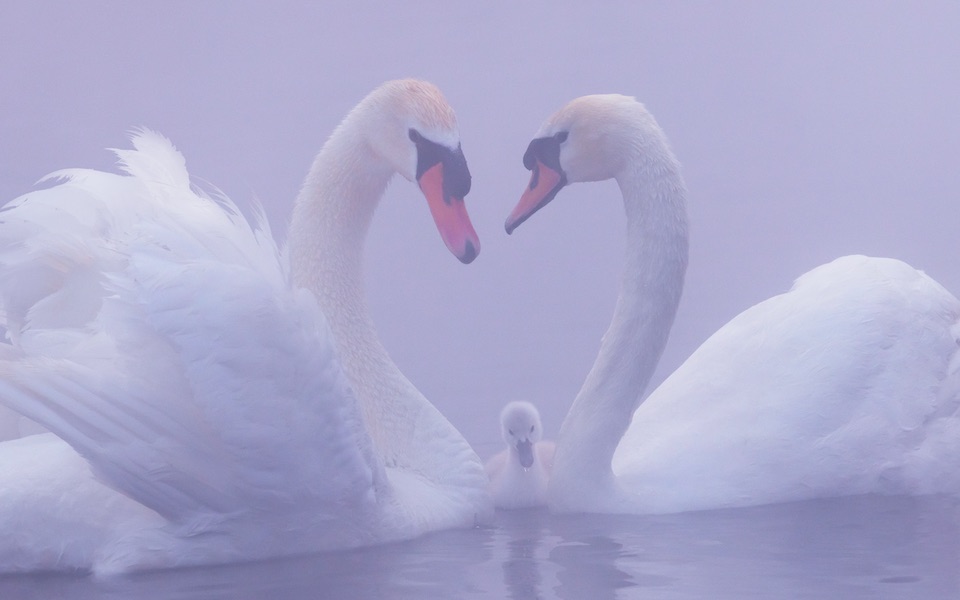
{"points": [[519, 474], [849, 383], [842, 386], [211, 398]]}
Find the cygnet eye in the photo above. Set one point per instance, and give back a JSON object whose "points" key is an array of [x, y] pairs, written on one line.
{"points": [[510, 431], [531, 429]]}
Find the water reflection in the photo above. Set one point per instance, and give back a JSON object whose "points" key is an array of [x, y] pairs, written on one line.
{"points": [[865, 547], [588, 566], [521, 569]]}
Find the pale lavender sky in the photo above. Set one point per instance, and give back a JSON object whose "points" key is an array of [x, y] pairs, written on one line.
{"points": [[807, 130]]}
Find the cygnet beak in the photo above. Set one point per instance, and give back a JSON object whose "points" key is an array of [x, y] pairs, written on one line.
{"points": [[525, 452]]}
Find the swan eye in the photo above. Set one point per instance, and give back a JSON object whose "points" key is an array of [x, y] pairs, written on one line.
{"points": [[510, 431], [562, 136], [531, 429], [414, 135]]}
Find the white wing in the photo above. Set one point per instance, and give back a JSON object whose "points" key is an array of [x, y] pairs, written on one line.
{"points": [[841, 386], [155, 331]]}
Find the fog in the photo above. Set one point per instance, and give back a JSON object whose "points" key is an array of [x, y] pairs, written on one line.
{"points": [[807, 131]]}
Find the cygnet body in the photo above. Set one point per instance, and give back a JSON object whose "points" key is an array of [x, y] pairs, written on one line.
{"points": [[519, 474]]}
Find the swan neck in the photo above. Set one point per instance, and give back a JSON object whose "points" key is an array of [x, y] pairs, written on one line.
{"points": [[332, 215], [654, 199], [331, 218]]}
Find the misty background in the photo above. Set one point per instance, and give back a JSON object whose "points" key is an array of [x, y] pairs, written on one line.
{"points": [[806, 130]]}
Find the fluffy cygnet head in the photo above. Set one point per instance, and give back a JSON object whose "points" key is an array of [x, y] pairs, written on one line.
{"points": [[521, 429]]}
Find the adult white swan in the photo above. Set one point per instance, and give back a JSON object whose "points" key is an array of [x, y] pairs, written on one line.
{"points": [[163, 337], [846, 384]]}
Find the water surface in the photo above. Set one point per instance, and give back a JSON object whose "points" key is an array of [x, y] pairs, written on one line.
{"points": [[863, 547]]}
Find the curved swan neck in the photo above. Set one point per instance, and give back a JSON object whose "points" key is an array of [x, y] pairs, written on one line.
{"points": [[654, 199], [331, 217]]}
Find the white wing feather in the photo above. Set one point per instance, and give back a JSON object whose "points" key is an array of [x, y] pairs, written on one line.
{"points": [[157, 333]]}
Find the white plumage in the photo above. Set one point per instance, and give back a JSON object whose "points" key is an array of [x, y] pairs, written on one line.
{"points": [[847, 384], [165, 339], [519, 474], [840, 386]]}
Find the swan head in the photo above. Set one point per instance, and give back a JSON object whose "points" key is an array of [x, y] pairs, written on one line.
{"points": [[521, 430], [411, 127], [592, 138]]}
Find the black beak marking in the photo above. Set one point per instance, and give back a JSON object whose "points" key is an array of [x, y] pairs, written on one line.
{"points": [[456, 174]]}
